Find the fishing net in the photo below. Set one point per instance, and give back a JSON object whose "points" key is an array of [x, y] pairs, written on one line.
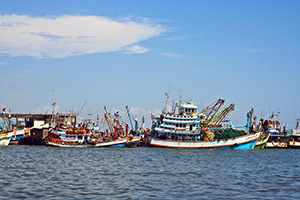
{"points": [[228, 133]]}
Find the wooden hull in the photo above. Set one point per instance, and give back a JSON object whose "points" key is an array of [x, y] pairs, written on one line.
{"points": [[133, 143], [261, 144], [5, 138], [243, 142], [115, 143]]}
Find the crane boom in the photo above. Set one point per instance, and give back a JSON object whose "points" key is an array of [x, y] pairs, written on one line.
{"points": [[108, 119], [221, 116], [212, 110]]}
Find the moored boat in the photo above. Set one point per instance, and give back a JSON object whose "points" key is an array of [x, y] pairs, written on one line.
{"points": [[277, 138], [132, 141], [243, 142], [68, 137], [120, 142], [262, 141], [17, 135], [5, 137], [183, 130], [294, 141]]}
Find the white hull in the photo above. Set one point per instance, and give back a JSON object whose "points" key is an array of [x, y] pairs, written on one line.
{"points": [[276, 145], [67, 145], [5, 138], [294, 144], [243, 142], [115, 143]]}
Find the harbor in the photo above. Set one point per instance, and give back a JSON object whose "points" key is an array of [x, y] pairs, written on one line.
{"points": [[149, 100], [180, 125]]}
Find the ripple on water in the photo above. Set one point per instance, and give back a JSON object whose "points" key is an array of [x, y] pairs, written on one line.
{"points": [[36, 172]]}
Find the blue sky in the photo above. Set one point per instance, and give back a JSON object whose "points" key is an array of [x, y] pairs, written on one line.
{"points": [[118, 53]]}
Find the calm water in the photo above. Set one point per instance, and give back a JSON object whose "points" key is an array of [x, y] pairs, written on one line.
{"points": [[38, 172]]}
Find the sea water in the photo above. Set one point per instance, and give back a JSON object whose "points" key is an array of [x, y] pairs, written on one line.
{"points": [[40, 172]]}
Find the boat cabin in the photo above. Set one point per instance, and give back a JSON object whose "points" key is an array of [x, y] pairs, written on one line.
{"points": [[188, 109]]}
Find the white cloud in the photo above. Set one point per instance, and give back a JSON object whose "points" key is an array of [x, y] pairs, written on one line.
{"points": [[172, 55], [135, 49], [138, 111], [63, 36], [3, 63], [172, 38], [45, 109]]}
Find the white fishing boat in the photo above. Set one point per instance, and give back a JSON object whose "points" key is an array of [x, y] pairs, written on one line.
{"points": [[277, 138], [111, 143], [183, 130], [243, 142]]}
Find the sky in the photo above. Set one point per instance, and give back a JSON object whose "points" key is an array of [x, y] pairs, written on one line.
{"points": [[118, 53]]}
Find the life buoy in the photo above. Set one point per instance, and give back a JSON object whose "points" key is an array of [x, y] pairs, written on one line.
{"points": [[235, 145]]}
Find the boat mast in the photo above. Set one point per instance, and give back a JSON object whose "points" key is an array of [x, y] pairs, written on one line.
{"points": [[109, 120], [180, 102], [128, 113], [53, 110], [166, 104]]}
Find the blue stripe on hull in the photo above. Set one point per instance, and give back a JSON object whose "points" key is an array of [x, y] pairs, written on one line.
{"points": [[133, 143], [245, 146], [117, 145], [17, 138]]}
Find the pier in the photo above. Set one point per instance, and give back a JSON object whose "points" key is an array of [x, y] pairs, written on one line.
{"points": [[36, 125]]}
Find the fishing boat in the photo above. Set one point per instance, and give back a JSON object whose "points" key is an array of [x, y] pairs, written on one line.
{"points": [[5, 133], [17, 135], [262, 141], [183, 130], [294, 141], [5, 137], [69, 137], [132, 141], [277, 139], [103, 142]]}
